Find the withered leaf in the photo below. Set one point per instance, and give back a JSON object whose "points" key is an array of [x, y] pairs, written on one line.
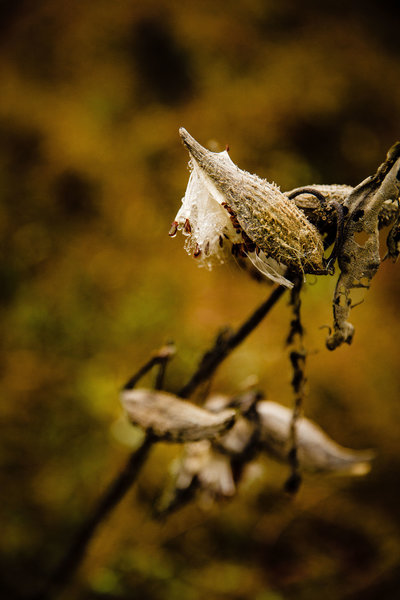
{"points": [[359, 257]]}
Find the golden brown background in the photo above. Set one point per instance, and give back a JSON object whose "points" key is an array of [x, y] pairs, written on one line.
{"points": [[91, 175]]}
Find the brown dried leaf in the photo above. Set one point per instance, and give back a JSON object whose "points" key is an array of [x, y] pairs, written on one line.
{"points": [[359, 257]]}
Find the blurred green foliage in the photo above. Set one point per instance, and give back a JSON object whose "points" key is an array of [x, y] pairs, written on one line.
{"points": [[91, 175]]}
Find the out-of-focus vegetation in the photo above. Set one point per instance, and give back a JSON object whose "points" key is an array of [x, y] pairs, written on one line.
{"points": [[91, 175]]}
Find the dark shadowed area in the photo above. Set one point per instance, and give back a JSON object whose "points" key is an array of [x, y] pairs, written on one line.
{"points": [[92, 172]]}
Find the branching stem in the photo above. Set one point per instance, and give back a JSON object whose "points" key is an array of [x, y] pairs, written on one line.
{"points": [[227, 342], [223, 346], [113, 494]]}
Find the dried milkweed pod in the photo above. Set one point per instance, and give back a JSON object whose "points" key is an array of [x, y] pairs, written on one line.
{"points": [[316, 451], [215, 467], [226, 210], [169, 418], [267, 428]]}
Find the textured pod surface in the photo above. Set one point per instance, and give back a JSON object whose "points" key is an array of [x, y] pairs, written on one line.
{"points": [[330, 192], [265, 222]]}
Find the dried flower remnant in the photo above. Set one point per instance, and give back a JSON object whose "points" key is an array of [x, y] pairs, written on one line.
{"points": [[231, 211]]}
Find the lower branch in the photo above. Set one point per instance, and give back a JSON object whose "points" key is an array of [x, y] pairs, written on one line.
{"points": [[107, 503], [223, 346]]}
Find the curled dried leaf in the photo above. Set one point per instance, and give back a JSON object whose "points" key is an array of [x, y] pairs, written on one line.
{"points": [[320, 204], [170, 418], [317, 202], [359, 257]]}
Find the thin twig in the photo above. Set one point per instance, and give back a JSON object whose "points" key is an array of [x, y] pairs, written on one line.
{"points": [[223, 346], [226, 342], [161, 357], [298, 361], [115, 492]]}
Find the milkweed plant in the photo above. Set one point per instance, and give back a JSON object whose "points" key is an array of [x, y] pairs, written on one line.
{"points": [[229, 214]]}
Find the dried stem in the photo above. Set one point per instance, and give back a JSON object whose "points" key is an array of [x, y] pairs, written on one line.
{"points": [[113, 495], [298, 361], [226, 342], [115, 492], [161, 358], [223, 346]]}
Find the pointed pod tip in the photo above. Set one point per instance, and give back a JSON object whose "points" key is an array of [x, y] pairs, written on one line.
{"points": [[186, 138], [197, 152], [360, 469]]}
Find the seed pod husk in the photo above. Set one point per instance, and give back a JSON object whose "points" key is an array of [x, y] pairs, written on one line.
{"points": [[268, 226], [172, 419], [316, 451]]}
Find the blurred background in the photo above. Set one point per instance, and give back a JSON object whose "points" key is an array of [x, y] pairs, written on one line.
{"points": [[92, 173]]}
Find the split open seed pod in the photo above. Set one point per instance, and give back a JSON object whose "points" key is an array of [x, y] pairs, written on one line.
{"points": [[316, 451], [229, 211], [170, 418]]}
